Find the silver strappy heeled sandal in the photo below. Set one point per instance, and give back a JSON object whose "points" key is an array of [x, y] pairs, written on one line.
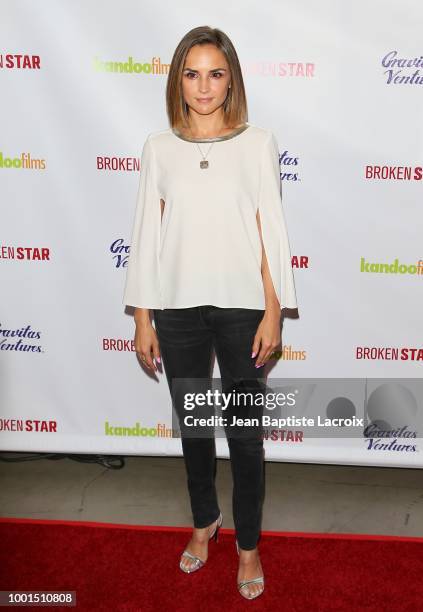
{"points": [[197, 561], [243, 583]]}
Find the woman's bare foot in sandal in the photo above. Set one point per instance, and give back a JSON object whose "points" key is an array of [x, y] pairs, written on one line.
{"points": [[250, 568], [198, 546]]}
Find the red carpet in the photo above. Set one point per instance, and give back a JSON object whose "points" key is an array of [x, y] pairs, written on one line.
{"points": [[120, 567]]}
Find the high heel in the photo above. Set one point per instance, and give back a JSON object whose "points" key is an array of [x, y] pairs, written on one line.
{"points": [[243, 583], [197, 561]]}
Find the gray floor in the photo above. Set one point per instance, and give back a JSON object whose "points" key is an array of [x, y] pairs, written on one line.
{"points": [[152, 490]]}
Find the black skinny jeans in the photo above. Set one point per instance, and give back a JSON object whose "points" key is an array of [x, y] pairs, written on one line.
{"points": [[187, 337]]}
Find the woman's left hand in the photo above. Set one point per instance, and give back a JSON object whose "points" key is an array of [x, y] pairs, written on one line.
{"points": [[268, 336]]}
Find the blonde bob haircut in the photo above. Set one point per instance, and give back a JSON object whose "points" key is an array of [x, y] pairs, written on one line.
{"points": [[235, 105]]}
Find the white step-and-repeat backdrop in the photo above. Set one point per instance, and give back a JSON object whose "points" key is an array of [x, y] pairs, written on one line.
{"points": [[82, 84]]}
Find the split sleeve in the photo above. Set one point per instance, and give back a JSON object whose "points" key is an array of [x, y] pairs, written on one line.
{"points": [[273, 225], [142, 285]]}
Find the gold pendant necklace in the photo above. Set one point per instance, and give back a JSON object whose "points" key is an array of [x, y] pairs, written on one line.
{"points": [[204, 162]]}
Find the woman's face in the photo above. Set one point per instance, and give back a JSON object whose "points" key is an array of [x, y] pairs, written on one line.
{"points": [[205, 79]]}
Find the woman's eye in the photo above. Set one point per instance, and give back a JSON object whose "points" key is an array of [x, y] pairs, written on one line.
{"points": [[218, 74]]}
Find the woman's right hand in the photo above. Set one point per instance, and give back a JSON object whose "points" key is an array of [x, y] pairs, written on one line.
{"points": [[147, 344]]}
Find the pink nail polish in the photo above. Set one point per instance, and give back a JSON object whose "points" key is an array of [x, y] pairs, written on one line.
{"points": [[254, 354], [158, 359]]}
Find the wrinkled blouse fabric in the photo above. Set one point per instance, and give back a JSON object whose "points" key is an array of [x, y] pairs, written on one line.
{"points": [[206, 249]]}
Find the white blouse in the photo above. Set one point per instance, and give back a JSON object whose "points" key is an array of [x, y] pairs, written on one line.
{"points": [[206, 249]]}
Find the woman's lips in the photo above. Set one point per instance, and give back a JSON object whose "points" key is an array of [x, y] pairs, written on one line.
{"points": [[204, 100]]}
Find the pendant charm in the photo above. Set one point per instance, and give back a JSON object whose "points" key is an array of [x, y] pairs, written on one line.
{"points": [[204, 163]]}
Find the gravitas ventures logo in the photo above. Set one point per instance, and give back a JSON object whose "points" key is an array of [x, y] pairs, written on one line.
{"points": [[288, 163], [379, 439], [120, 252], [392, 268], [22, 339], [402, 70], [394, 416]]}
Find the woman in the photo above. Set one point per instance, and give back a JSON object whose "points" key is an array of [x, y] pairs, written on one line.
{"points": [[212, 264]]}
